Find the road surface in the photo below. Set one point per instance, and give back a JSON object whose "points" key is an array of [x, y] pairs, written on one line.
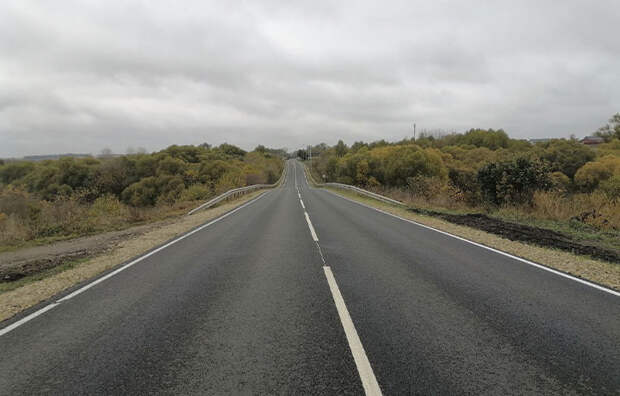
{"points": [[304, 292]]}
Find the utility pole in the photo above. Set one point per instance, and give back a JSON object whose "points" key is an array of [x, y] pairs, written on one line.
{"points": [[414, 131]]}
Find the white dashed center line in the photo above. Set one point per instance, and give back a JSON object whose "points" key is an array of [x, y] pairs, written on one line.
{"points": [[364, 369], [312, 231]]}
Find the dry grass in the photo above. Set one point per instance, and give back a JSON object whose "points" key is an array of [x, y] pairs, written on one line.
{"points": [[601, 272], [595, 209], [26, 221], [14, 301]]}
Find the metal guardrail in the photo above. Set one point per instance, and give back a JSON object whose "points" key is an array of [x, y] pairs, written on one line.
{"points": [[354, 188], [235, 192], [365, 192]]}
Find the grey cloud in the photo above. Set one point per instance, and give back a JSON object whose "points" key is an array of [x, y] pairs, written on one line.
{"points": [[81, 76]]}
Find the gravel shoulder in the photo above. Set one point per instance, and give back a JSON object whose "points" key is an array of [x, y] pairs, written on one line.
{"points": [[96, 254]]}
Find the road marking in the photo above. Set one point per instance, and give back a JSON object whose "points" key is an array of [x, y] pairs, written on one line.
{"points": [[314, 236], [369, 381], [124, 267], [111, 274], [302, 203], [540, 266], [295, 176], [27, 318]]}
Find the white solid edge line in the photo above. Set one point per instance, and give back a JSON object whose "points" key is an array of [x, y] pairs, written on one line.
{"points": [[27, 318], [314, 236], [124, 267], [521, 259], [302, 203], [369, 381]]}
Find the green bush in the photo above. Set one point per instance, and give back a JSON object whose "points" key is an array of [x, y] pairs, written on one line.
{"points": [[567, 156], [75, 174], [169, 188], [212, 171], [142, 193], [14, 171], [232, 151], [512, 182], [171, 166]]}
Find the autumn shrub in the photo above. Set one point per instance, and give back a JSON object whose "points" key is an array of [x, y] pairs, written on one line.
{"points": [[427, 187], [566, 156], [169, 189], [106, 212], [67, 197], [142, 193], [465, 185], [229, 180], [560, 182], [64, 216], [196, 192], [591, 175], [611, 187], [484, 170], [171, 166]]}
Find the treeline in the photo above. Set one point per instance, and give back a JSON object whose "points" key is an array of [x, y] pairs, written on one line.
{"points": [[478, 168], [178, 172], [478, 165], [76, 196]]}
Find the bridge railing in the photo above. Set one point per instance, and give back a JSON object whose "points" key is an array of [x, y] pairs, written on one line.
{"points": [[237, 192], [354, 188]]}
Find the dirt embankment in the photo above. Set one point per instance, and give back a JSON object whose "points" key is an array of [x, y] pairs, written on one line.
{"points": [[524, 233], [24, 262]]}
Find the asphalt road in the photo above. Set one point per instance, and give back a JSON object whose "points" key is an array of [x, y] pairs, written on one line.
{"points": [[246, 305]]}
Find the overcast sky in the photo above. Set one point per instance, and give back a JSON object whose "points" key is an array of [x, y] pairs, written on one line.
{"points": [[81, 76]]}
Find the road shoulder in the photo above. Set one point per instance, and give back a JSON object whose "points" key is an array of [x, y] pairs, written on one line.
{"points": [[600, 272]]}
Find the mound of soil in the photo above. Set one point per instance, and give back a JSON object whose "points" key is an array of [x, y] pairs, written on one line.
{"points": [[524, 233]]}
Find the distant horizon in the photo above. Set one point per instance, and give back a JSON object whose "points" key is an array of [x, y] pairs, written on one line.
{"points": [[290, 150]]}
